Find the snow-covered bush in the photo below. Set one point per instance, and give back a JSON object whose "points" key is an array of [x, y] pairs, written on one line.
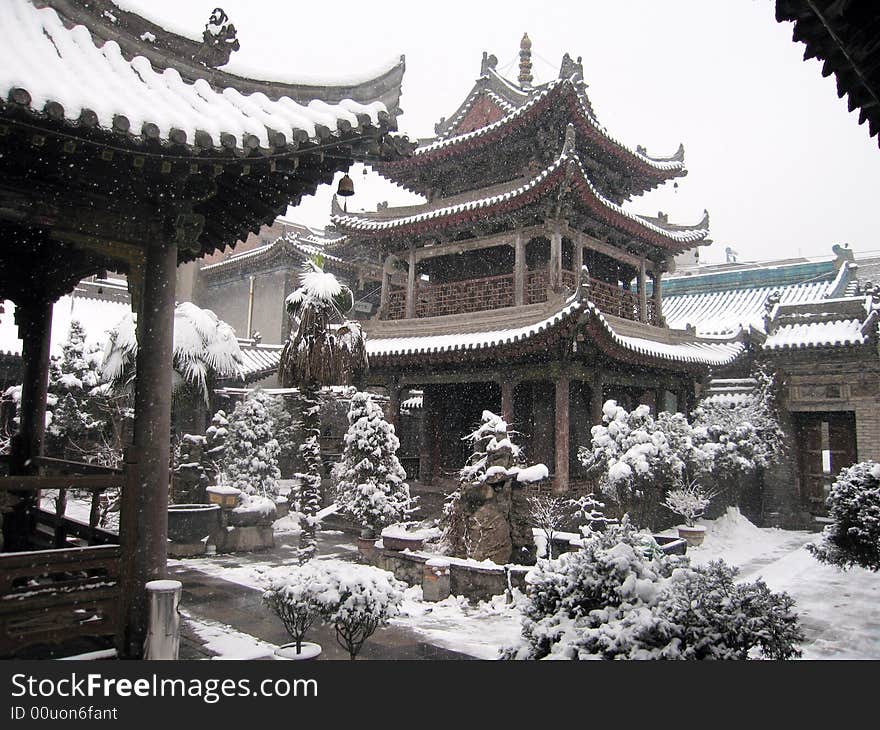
{"points": [[297, 598], [633, 458], [191, 478], [700, 613], [215, 443], [616, 571], [251, 454], [621, 598], [853, 537], [689, 501], [370, 484], [357, 600]]}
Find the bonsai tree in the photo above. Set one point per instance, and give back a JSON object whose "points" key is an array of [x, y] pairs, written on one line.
{"points": [[318, 353], [853, 537], [359, 600], [297, 598], [370, 484], [689, 502], [251, 453]]}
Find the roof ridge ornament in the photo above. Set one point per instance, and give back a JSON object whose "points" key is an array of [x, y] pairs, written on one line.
{"points": [[489, 62], [525, 62], [571, 69], [219, 40]]}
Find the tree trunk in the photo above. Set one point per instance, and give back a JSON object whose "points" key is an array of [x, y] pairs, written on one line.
{"points": [[310, 451]]}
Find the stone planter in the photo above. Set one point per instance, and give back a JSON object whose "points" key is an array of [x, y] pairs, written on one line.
{"points": [[435, 580], [399, 540], [190, 524], [288, 653], [694, 535]]}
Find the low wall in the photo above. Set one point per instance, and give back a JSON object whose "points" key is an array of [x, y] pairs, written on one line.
{"points": [[468, 578]]}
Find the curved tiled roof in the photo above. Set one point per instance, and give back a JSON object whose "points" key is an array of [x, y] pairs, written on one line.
{"points": [[306, 246], [518, 193], [837, 333], [699, 352], [536, 102], [71, 75]]}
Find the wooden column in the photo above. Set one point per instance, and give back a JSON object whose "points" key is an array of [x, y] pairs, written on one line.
{"points": [[643, 292], [393, 404], [34, 320], [560, 483], [519, 270], [507, 387], [656, 278], [578, 260], [554, 267], [425, 437], [597, 399], [411, 285], [144, 516], [386, 293]]}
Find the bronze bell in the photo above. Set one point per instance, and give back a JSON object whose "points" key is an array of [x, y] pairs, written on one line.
{"points": [[346, 186]]}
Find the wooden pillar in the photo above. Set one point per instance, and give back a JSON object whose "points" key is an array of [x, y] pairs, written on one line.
{"points": [[520, 296], [507, 387], [560, 483], [386, 294], [578, 260], [425, 437], [393, 404], [429, 453], [411, 286], [144, 516], [643, 292], [34, 321], [554, 267], [656, 278], [597, 400]]}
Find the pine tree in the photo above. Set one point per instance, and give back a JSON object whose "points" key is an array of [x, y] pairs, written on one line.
{"points": [[370, 480], [251, 458]]}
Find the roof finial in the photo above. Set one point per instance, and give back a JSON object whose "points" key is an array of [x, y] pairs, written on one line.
{"points": [[525, 61]]}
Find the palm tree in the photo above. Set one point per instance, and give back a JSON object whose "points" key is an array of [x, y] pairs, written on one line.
{"points": [[205, 348], [318, 353]]}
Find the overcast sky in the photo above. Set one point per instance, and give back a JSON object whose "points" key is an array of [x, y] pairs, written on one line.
{"points": [[772, 153]]}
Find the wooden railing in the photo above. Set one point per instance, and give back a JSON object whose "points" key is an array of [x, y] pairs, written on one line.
{"points": [[51, 596], [495, 292]]}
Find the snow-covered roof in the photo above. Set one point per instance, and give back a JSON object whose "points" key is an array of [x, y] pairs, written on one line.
{"points": [[721, 306], [258, 361], [674, 164], [837, 333], [304, 243], [458, 338], [70, 74], [566, 170], [837, 322], [96, 316]]}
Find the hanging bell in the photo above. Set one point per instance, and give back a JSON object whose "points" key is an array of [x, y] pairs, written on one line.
{"points": [[345, 187]]}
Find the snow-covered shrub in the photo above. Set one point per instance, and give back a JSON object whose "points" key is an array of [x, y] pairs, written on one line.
{"points": [[700, 613], [616, 571], [191, 478], [215, 444], [621, 598], [633, 458], [297, 598], [251, 454], [689, 501], [370, 485], [853, 537], [357, 600]]}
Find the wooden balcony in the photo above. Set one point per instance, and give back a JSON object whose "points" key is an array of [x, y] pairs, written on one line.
{"points": [[496, 292]]}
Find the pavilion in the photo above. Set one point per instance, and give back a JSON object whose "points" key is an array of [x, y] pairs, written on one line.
{"points": [[125, 147]]}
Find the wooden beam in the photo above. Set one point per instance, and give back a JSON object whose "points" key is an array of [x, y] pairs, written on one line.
{"points": [[507, 238], [595, 244]]}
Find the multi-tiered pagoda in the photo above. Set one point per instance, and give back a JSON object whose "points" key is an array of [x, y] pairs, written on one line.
{"points": [[524, 282]]}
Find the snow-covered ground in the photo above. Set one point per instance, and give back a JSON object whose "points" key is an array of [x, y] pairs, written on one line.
{"points": [[840, 611]]}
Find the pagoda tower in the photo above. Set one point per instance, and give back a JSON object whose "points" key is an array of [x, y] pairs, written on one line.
{"points": [[525, 266]]}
